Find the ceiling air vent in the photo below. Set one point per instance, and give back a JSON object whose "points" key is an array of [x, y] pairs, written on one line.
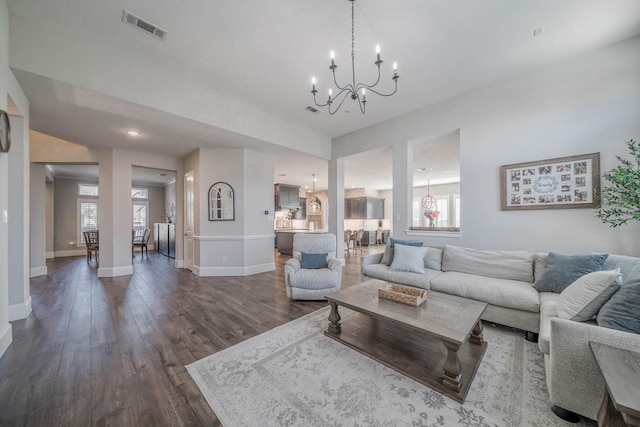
{"points": [[141, 24], [312, 110]]}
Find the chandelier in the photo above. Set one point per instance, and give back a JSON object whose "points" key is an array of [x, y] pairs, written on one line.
{"points": [[314, 205], [357, 91]]}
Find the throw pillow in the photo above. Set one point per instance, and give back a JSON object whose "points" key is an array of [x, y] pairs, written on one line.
{"points": [[433, 260], [582, 299], [314, 261], [387, 258], [408, 258], [562, 270], [622, 311]]}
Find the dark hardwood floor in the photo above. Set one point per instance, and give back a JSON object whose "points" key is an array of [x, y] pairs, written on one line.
{"points": [[112, 351]]}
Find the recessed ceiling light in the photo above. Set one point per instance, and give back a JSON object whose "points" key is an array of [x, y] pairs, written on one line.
{"points": [[424, 169], [133, 133]]}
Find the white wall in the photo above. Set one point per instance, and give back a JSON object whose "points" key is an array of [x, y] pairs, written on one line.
{"points": [[5, 326], [245, 245], [586, 104], [37, 219]]}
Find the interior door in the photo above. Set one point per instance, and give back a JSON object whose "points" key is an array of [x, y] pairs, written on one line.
{"points": [[189, 219]]}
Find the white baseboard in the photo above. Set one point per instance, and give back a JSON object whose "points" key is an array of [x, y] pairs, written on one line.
{"points": [[70, 252], [178, 263], [20, 311], [261, 268], [38, 271], [6, 337], [116, 271], [233, 271], [49, 255]]}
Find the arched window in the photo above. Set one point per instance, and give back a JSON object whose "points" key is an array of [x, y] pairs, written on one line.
{"points": [[221, 202]]}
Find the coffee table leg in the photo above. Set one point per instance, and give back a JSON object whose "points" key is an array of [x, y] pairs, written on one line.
{"points": [[476, 335], [452, 369], [334, 319]]}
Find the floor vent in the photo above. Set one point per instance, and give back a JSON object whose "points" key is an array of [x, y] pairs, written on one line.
{"points": [[141, 24], [312, 110]]}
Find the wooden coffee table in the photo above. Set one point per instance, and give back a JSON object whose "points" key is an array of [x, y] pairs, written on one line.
{"points": [[438, 344]]}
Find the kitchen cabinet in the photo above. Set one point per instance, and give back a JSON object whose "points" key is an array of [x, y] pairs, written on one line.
{"points": [[286, 196], [369, 237], [364, 208], [165, 239]]}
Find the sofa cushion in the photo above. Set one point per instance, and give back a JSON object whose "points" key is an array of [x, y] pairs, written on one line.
{"points": [[408, 258], [629, 267], [548, 305], [502, 292], [433, 260], [510, 265], [622, 311], [314, 261], [383, 272], [582, 299], [562, 270], [387, 258]]}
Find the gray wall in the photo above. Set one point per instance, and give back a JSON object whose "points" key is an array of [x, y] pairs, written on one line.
{"points": [[66, 211], [583, 105]]}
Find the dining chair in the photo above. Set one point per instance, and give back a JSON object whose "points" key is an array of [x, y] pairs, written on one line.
{"points": [[378, 236], [141, 240], [92, 242], [357, 240], [347, 241]]}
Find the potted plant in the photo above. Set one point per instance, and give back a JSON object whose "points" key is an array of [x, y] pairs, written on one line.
{"points": [[620, 200]]}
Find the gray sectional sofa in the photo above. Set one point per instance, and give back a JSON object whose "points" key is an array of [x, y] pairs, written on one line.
{"points": [[505, 281]]}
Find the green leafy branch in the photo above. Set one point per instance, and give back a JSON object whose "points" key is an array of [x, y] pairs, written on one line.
{"points": [[620, 200]]}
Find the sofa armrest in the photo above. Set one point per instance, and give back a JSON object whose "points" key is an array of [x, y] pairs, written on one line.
{"points": [[575, 382]]}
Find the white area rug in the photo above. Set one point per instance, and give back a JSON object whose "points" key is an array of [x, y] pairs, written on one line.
{"points": [[295, 376]]}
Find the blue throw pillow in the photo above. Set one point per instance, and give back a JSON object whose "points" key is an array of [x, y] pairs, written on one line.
{"points": [[622, 311], [387, 258], [314, 261], [562, 270]]}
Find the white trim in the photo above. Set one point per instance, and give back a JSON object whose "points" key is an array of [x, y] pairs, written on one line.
{"points": [[71, 252], [20, 311], [49, 255], [115, 271], [234, 271], [79, 202], [6, 337], [233, 238], [178, 263], [38, 271], [450, 234]]}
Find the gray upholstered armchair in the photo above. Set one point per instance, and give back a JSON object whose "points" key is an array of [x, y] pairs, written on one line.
{"points": [[313, 283]]}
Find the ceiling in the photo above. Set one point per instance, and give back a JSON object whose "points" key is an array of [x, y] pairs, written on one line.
{"points": [[264, 54]]}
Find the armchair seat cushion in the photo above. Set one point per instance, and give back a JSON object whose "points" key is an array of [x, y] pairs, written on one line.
{"points": [[318, 278]]}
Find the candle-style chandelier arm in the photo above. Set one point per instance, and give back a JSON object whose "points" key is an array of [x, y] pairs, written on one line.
{"points": [[370, 87], [341, 96], [348, 86]]}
